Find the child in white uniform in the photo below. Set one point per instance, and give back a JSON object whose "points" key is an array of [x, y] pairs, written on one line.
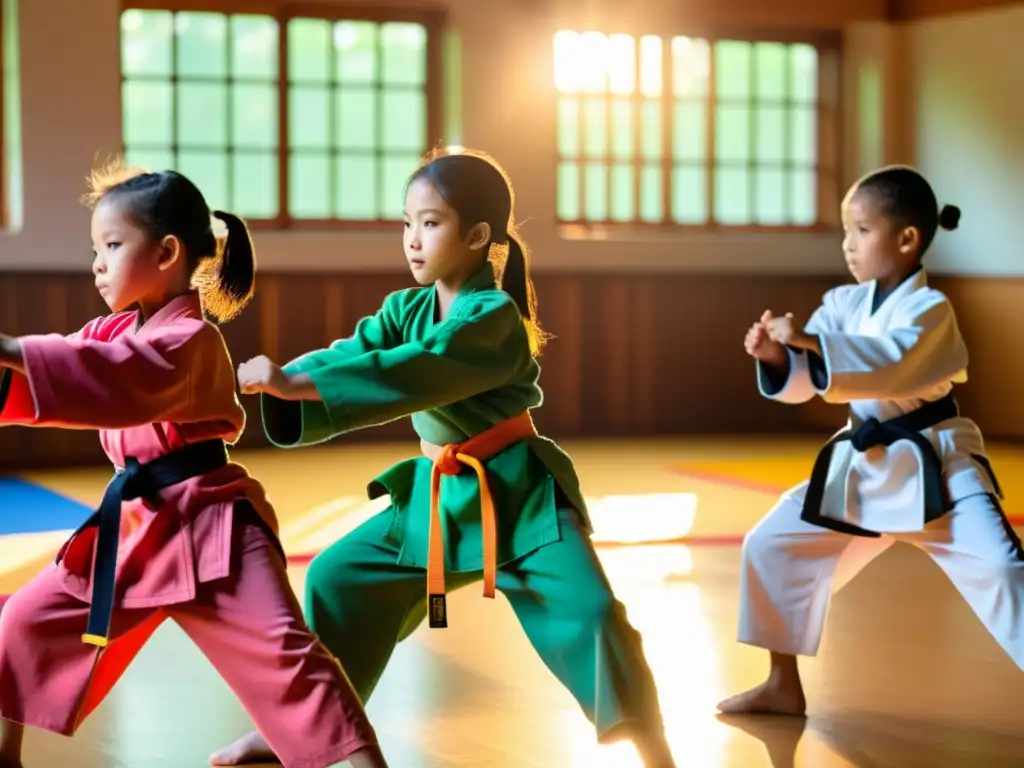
{"points": [[907, 467]]}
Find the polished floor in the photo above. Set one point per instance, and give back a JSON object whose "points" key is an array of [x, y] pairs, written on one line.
{"points": [[906, 677]]}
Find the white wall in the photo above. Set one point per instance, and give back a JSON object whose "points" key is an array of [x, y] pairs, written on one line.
{"points": [[965, 114], [71, 114]]}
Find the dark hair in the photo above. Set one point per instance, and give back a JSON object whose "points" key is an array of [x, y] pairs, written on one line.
{"points": [[479, 190], [223, 270], [906, 198]]}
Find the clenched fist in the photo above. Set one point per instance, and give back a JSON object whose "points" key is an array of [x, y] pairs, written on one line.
{"points": [[261, 374], [759, 344]]}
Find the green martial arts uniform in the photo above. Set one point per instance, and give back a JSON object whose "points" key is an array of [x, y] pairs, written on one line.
{"points": [[457, 378]]}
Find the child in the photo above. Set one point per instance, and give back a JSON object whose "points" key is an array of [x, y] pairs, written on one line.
{"points": [[181, 532], [459, 355], [908, 467]]}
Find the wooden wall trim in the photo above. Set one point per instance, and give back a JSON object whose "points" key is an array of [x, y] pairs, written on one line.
{"points": [[912, 10]]}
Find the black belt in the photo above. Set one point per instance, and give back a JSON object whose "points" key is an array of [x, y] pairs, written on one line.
{"points": [[873, 433], [136, 481]]}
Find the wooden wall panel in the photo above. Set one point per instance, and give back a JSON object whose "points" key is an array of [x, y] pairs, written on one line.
{"points": [[632, 354]]}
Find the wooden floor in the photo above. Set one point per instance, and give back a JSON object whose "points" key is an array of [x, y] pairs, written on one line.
{"points": [[907, 677]]}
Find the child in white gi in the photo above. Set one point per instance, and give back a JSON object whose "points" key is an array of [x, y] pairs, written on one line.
{"points": [[908, 467]]}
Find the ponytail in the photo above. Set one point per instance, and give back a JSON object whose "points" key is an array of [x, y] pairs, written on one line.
{"points": [[230, 282], [516, 282]]}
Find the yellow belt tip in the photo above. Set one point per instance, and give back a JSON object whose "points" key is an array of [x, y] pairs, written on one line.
{"points": [[98, 640]]}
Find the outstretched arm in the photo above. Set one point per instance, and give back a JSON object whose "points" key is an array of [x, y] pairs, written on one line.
{"points": [[293, 413], [80, 382], [462, 357]]}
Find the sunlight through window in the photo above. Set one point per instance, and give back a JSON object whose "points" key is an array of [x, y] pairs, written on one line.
{"points": [[660, 130], [637, 518]]}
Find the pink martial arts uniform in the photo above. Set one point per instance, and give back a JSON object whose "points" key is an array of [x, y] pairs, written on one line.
{"points": [[218, 574]]}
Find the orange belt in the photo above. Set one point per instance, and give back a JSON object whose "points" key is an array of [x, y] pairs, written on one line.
{"points": [[450, 460]]}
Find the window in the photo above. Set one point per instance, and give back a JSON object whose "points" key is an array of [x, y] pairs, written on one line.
{"points": [[695, 131], [283, 119]]}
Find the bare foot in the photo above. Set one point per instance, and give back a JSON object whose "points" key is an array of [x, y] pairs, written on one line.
{"points": [[769, 698], [251, 748]]}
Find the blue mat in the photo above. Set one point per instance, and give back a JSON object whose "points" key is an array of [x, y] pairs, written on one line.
{"points": [[29, 508]]}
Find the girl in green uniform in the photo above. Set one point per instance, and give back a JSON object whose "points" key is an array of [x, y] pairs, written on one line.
{"points": [[459, 356]]}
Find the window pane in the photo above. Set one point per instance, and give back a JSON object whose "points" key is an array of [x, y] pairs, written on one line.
{"points": [[355, 122], [650, 129], [621, 64], [307, 117], [202, 44], [568, 192], [405, 120], [770, 196], [691, 63], [650, 66], [308, 45], [356, 180], [652, 199], [595, 127], [154, 160], [567, 48], [568, 127], [803, 135], [355, 51], [689, 198], [255, 185], [622, 129], [146, 43], [395, 172], [622, 192], [254, 115], [147, 109], [309, 185], [803, 191], [770, 63], [596, 192], [202, 114], [770, 130], [803, 82], [208, 170], [689, 131], [732, 69], [732, 132], [405, 53], [254, 46], [732, 196], [589, 65]]}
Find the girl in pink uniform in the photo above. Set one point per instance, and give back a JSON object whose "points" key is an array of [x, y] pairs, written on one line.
{"points": [[182, 532]]}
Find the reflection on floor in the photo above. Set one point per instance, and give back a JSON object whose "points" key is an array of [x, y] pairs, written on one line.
{"points": [[906, 677]]}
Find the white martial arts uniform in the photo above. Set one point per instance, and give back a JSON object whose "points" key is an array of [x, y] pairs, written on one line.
{"points": [[885, 363]]}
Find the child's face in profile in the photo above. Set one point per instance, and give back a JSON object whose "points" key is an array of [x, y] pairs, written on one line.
{"points": [[127, 264], [874, 247], [435, 246]]}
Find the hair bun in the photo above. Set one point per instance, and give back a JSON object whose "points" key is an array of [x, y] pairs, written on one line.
{"points": [[949, 217]]}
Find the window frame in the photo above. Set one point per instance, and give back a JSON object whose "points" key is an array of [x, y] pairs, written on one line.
{"points": [[434, 20], [829, 134]]}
